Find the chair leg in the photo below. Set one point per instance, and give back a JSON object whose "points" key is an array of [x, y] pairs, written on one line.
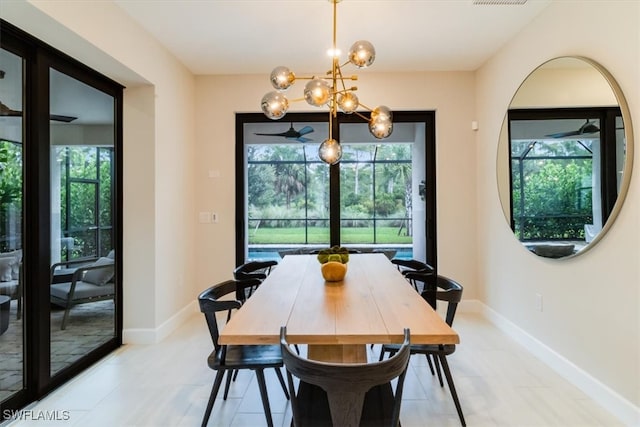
{"points": [[235, 374], [265, 398], [430, 364], [65, 317], [281, 379], [382, 351], [452, 388], [436, 361], [212, 397], [228, 383]]}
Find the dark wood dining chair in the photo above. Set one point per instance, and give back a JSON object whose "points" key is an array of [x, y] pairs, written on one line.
{"points": [[229, 358], [334, 393], [253, 270], [406, 266], [449, 291]]}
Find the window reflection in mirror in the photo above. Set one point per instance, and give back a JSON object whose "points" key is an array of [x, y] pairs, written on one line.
{"points": [[563, 161]]}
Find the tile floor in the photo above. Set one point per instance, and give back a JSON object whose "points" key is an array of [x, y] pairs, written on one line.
{"points": [[89, 325], [167, 384]]}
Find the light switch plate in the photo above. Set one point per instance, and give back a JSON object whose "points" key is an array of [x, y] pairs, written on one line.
{"points": [[204, 217]]}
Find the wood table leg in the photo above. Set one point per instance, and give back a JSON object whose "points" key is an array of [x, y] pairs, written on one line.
{"points": [[347, 353]]}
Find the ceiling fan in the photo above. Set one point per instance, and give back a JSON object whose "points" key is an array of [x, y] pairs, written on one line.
{"points": [[5, 111], [8, 112], [587, 128], [296, 135]]}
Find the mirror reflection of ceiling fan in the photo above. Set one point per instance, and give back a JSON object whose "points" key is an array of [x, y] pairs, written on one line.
{"points": [[296, 135], [587, 128]]}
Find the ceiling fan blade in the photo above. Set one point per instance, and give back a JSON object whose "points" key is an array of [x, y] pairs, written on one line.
{"points": [[587, 128], [60, 118], [563, 134], [8, 112], [305, 130]]}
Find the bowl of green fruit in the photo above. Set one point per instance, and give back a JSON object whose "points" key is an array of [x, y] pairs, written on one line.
{"points": [[334, 263]]}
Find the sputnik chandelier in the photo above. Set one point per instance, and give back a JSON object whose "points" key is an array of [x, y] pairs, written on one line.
{"points": [[332, 91]]}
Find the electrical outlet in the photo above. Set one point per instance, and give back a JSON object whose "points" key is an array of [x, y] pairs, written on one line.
{"points": [[538, 302]]}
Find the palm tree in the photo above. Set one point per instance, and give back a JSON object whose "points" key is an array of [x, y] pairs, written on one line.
{"points": [[289, 174], [400, 174]]}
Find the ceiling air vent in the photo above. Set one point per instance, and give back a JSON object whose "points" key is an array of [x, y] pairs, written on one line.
{"points": [[499, 2]]}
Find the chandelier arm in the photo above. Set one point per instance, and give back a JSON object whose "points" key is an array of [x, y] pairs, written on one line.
{"points": [[366, 108], [362, 116], [344, 88], [308, 77], [347, 89], [335, 68], [330, 125]]}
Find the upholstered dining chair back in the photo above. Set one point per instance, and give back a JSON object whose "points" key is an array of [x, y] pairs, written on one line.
{"points": [[345, 384]]}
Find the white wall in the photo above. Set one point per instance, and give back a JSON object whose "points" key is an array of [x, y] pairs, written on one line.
{"points": [[591, 304], [159, 128], [451, 94]]}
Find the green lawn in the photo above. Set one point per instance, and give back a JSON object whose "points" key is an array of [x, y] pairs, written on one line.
{"points": [[320, 235]]}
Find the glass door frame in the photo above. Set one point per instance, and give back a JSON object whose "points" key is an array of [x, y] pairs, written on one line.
{"points": [[426, 117], [38, 59]]}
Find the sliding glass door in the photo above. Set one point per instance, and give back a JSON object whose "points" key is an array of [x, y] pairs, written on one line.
{"points": [[380, 197], [83, 291], [12, 342], [381, 206], [60, 218]]}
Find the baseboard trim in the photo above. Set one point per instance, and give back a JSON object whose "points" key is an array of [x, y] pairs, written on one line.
{"points": [[154, 336], [613, 402]]}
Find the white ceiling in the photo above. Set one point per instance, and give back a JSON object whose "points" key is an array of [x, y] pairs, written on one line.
{"points": [[254, 36]]}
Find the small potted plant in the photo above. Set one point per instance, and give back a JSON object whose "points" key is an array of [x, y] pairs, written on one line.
{"points": [[334, 263]]}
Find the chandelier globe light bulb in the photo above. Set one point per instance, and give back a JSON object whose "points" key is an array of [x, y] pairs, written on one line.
{"points": [[381, 112], [362, 54], [348, 102], [381, 127], [330, 151], [282, 78], [317, 92], [274, 105]]}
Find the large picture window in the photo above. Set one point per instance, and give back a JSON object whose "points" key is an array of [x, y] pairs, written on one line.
{"points": [[373, 199]]}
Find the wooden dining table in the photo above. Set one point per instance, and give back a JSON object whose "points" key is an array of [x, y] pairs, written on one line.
{"points": [[372, 305]]}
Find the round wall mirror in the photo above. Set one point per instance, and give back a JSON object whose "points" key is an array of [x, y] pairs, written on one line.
{"points": [[564, 157]]}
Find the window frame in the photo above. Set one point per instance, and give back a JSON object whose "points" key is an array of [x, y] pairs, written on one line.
{"points": [[426, 117]]}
